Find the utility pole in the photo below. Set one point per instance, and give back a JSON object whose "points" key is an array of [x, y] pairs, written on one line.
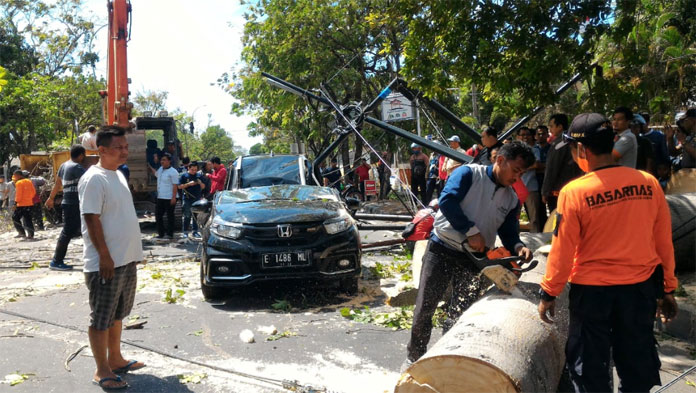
{"points": [[418, 126]]}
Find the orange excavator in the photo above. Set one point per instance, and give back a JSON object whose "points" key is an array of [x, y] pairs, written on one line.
{"points": [[117, 108]]}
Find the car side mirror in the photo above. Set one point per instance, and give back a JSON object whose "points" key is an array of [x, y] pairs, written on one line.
{"points": [[353, 205], [201, 206]]}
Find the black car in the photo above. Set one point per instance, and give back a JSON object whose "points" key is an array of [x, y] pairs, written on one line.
{"points": [[274, 223]]}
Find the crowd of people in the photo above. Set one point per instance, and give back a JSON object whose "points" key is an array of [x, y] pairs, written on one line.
{"points": [[637, 145], [183, 184], [585, 174]]}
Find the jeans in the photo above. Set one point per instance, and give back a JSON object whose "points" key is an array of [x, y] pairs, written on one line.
{"points": [[187, 216], [72, 228], [22, 215], [442, 266], [432, 185], [165, 206]]}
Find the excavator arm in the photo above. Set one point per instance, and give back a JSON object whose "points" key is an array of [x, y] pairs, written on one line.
{"points": [[117, 108]]}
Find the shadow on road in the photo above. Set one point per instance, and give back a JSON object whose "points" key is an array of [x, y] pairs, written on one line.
{"points": [[298, 298]]}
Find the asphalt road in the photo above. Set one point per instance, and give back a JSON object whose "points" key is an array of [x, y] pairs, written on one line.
{"points": [[193, 346]]}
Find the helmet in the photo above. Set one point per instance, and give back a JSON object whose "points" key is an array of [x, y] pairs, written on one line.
{"points": [[414, 145]]}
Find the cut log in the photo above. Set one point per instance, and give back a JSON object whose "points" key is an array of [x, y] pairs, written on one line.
{"points": [[498, 345]]}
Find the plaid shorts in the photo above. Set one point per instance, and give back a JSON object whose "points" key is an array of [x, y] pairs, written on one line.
{"points": [[111, 300]]}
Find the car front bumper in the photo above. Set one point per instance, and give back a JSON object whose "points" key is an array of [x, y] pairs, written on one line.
{"points": [[237, 263]]}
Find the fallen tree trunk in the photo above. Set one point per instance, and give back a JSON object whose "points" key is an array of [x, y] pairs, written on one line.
{"points": [[498, 345], [683, 209]]}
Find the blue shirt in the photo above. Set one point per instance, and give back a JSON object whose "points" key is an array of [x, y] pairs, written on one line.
{"points": [[192, 193]]}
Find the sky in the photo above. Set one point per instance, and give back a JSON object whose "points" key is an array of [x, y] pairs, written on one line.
{"points": [[182, 47]]}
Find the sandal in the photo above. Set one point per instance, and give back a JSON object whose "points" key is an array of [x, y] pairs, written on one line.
{"points": [[110, 388], [128, 367]]}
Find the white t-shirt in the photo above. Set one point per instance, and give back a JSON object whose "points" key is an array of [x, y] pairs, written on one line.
{"points": [[89, 141], [166, 178], [106, 193]]}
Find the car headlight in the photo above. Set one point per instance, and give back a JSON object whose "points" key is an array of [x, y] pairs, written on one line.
{"points": [[226, 229], [336, 225]]}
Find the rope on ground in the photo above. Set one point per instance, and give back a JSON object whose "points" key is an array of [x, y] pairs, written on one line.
{"points": [[675, 380], [291, 385]]}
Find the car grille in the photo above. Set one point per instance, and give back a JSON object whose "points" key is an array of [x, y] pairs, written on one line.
{"points": [[267, 235]]}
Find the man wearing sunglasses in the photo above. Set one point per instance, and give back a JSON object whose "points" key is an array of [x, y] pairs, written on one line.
{"points": [[618, 280]]}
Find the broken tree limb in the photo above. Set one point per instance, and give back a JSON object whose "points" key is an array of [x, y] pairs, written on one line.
{"points": [[498, 345]]}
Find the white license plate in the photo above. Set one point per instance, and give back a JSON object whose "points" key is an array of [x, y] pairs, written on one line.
{"points": [[285, 259]]}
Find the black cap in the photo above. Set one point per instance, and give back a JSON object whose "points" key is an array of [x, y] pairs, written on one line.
{"points": [[588, 126]]}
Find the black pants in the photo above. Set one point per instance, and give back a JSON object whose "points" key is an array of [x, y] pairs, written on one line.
{"points": [[71, 229], [22, 215], [551, 202], [37, 216], [165, 206], [619, 318], [432, 185], [418, 188], [442, 266], [384, 187]]}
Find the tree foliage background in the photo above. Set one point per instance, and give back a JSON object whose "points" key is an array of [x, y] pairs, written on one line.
{"points": [[510, 56], [48, 93]]}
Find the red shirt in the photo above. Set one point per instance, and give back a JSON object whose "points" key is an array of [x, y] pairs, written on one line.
{"points": [[440, 168], [217, 179], [363, 172]]}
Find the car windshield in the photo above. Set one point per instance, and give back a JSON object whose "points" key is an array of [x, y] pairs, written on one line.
{"points": [[284, 192], [269, 170]]}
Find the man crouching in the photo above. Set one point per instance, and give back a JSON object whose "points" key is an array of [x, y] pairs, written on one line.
{"points": [[112, 248], [477, 203]]}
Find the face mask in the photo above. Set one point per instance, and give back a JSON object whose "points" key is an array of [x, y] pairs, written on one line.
{"points": [[414, 151], [582, 162]]}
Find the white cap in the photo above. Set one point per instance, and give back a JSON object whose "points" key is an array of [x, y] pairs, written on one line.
{"points": [[453, 138]]}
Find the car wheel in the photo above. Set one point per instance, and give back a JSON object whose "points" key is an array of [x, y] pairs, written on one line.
{"points": [[355, 194], [210, 293], [349, 285]]}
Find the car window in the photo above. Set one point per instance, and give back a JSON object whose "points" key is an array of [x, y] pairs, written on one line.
{"points": [[281, 192], [267, 171]]}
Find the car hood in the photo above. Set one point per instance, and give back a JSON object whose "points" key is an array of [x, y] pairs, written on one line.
{"points": [[278, 204]]}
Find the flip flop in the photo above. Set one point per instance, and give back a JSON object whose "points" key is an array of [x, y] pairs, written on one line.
{"points": [[128, 367], [110, 388]]}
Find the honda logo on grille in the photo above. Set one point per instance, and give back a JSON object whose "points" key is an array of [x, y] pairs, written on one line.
{"points": [[284, 230]]}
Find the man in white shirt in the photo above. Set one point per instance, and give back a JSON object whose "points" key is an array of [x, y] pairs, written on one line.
{"points": [[89, 139], [112, 249], [4, 192], [167, 182], [626, 147]]}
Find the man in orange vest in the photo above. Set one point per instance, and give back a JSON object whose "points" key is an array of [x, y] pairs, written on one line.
{"points": [[616, 277], [24, 201]]}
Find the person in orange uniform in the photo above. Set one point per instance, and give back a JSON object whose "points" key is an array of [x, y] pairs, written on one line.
{"points": [[24, 201], [613, 242]]}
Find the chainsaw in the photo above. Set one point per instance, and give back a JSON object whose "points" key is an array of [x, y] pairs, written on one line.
{"points": [[500, 266]]}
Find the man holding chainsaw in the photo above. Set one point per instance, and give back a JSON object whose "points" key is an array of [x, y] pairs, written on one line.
{"points": [[616, 278], [476, 203]]}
